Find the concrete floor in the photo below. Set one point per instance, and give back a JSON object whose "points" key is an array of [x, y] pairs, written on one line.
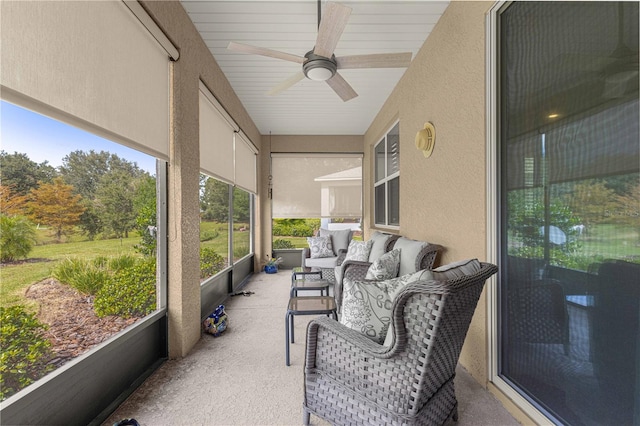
{"points": [[240, 378]]}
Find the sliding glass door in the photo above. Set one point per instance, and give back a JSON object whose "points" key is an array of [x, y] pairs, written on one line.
{"points": [[569, 150]]}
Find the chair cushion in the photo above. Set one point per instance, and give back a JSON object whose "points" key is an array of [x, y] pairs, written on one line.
{"points": [[379, 242], [456, 270], [366, 305], [359, 250], [320, 247], [339, 238], [321, 262], [410, 250], [385, 267]]}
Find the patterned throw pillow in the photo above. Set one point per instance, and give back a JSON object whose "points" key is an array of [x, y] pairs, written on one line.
{"points": [[359, 250], [366, 305], [386, 267], [320, 247]]}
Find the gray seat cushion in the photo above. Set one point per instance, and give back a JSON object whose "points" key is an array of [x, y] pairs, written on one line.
{"points": [[321, 262]]}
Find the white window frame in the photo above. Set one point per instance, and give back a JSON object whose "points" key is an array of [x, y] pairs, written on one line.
{"points": [[492, 54], [385, 180]]}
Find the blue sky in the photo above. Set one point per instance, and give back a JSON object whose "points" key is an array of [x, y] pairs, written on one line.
{"points": [[45, 139]]}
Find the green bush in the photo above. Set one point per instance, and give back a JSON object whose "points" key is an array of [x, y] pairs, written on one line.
{"points": [[240, 250], [25, 351], [17, 237], [282, 244], [129, 292], [210, 262], [295, 227], [209, 235], [86, 276]]}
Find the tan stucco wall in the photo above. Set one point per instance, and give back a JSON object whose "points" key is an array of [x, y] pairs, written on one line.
{"points": [[195, 63], [442, 198]]}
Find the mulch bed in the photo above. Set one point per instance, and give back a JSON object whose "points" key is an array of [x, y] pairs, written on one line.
{"points": [[74, 327]]}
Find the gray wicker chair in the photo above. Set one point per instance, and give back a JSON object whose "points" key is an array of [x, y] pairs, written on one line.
{"points": [[350, 379], [356, 271]]}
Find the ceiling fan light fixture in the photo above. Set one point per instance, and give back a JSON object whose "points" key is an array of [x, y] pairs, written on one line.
{"points": [[319, 68]]}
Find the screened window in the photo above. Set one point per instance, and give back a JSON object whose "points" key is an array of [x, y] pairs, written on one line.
{"points": [[310, 191], [81, 214], [387, 179], [570, 209]]}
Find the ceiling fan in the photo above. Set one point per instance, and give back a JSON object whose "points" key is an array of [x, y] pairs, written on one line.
{"points": [[320, 64]]}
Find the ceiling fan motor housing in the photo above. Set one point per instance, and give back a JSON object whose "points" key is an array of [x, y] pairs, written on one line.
{"points": [[318, 67]]}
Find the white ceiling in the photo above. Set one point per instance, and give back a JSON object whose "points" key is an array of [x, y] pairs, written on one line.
{"points": [[310, 107]]}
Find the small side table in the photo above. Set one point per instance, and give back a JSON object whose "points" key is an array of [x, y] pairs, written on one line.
{"points": [[308, 305], [308, 279]]}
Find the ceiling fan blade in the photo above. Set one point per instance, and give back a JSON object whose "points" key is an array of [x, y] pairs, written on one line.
{"points": [[287, 83], [263, 51], [341, 87], [332, 25], [379, 60]]}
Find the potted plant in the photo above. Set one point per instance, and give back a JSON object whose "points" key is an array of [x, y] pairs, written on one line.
{"points": [[271, 265]]}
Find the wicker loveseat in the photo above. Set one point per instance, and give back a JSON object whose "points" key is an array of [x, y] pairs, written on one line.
{"points": [[418, 255], [350, 379]]}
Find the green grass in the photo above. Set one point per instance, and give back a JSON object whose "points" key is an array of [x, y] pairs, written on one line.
{"points": [[600, 241], [16, 278]]}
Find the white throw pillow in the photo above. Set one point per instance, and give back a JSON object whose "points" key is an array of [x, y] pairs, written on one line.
{"points": [[385, 267], [320, 247], [359, 250], [366, 305], [339, 238]]}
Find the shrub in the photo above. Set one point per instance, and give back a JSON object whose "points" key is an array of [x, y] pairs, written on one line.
{"points": [[88, 276], [17, 237], [240, 251], [121, 262], [210, 262], [130, 292], [282, 244], [295, 227], [209, 235], [25, 351], [84, 275]]}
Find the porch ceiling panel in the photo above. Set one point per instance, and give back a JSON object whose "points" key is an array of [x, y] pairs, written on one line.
{"points": [[310, 107]]}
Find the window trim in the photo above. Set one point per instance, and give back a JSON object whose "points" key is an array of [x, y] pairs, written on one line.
{"points": [[384, 180]]}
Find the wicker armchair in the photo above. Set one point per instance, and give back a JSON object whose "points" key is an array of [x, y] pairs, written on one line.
{"points": [[350, 379], [356, 271]]}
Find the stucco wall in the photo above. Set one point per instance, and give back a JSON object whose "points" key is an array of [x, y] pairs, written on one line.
{"points": [[442, 198], [195, 63]]}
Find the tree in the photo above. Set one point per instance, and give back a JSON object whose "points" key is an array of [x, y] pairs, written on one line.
{"points": [[21, 174], [241, 207], [144, 205], [214, 200], [17, 237], [54, 204], [84, 170], [114, 203], [10, 202], [591, 201]]}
